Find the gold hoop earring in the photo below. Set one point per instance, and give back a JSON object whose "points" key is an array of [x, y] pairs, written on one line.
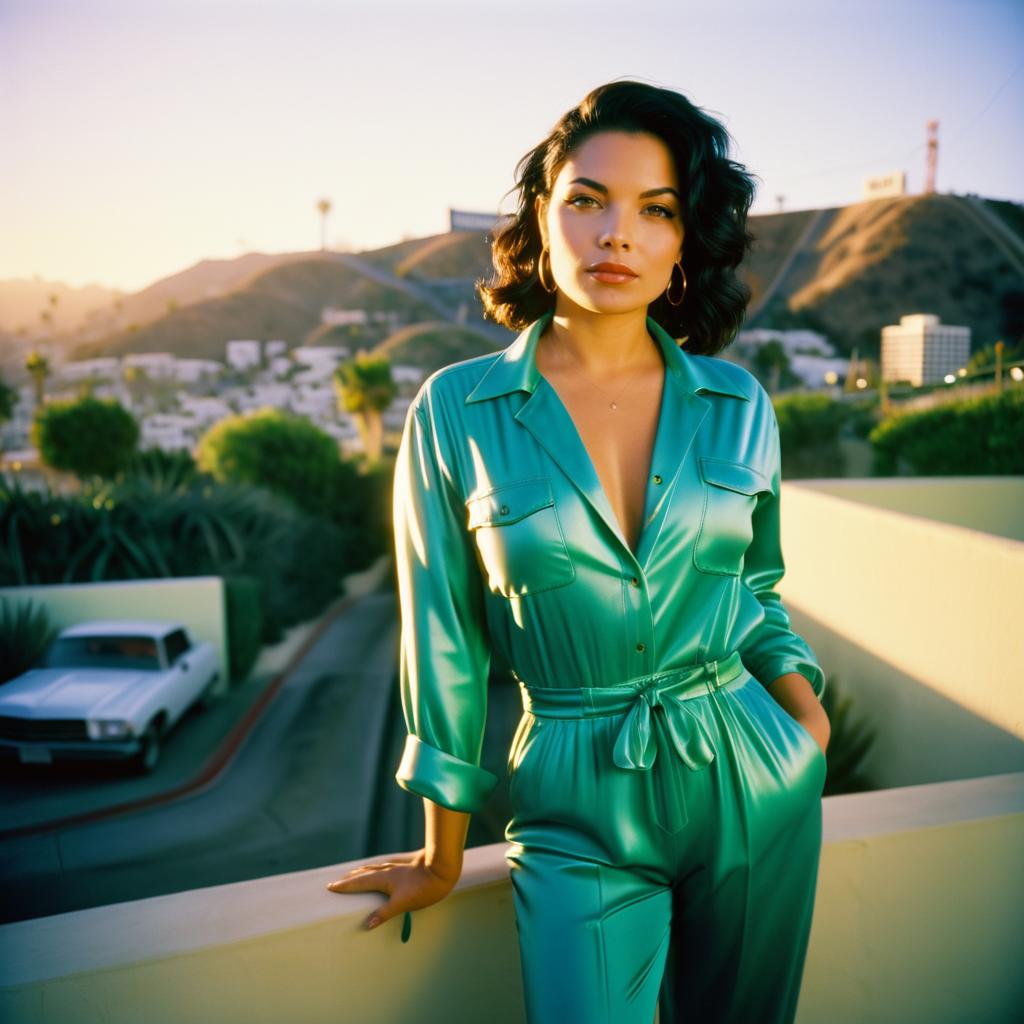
{"points": [[671, 302], [540, 274]]}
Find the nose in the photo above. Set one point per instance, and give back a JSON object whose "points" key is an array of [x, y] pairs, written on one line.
{"points": [[616, 232]]}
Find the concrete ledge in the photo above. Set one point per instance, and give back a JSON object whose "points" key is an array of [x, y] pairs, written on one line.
{"points": [[917, 919]]}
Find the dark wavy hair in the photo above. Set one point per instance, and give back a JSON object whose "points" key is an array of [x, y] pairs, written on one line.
{"points": [[716, 195]]}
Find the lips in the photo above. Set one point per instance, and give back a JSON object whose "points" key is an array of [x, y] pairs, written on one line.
{"points": [[610, 268]]}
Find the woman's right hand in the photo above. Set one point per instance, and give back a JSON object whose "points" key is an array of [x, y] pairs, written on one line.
{"points": [[408, 881]]}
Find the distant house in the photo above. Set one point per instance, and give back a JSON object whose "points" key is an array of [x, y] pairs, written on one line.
{"points": [[811, 355], [242, 353]]}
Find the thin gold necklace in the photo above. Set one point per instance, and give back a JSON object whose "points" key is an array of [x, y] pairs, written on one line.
{"points": [[613, 404]]}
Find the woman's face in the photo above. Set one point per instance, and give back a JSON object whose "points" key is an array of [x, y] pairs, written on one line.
{"points": [[615, 200]]}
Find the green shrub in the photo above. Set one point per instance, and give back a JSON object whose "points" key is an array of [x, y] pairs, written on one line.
{"points": [[809, 429], [284, 453], [981, 435], [26, 632], [134, 531], [164, 470], [293, 458], [243, 612], [86, 436]]}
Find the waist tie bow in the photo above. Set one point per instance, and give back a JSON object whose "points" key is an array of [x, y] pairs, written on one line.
{"points": [[657, 719]]}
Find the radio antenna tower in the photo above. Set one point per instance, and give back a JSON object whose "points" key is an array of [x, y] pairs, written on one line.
{"points": [[933, 157]]}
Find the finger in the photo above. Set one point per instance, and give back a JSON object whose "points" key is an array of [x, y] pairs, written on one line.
{"points": [[369, 882], [356, 873], [385, 912]]}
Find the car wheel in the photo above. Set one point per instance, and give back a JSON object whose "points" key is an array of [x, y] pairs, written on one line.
{"points": [[149, 752]]}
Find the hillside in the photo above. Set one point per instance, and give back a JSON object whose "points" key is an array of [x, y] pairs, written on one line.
{"points": [[846, 271], [433, 345], [283, 302], [865, 265]]}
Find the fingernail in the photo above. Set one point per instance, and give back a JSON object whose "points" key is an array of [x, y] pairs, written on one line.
{"points": [[373, 922]]}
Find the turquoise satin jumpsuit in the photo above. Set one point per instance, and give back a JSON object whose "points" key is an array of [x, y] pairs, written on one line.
{"points": [[666, 810]]}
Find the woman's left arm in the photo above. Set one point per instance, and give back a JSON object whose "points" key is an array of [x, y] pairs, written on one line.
{"points": [[773, 652], [797, 697]]}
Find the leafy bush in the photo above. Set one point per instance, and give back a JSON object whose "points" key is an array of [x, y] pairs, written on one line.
{"points": [[981, 435], [809, 429], [26, 632], [862, 416], [131, 530], [849, 742], [164, 470], [243, 600], [293, 458], [284, 453], [86, 436]]}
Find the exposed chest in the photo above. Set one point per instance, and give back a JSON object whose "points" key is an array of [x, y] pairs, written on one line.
{"points": [[619, 441]]}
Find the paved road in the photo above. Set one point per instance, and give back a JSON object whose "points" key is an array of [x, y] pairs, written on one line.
{"points": [[294, 796]]}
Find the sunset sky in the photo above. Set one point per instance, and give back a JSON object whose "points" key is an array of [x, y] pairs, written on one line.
{"points": [[140, 136]]}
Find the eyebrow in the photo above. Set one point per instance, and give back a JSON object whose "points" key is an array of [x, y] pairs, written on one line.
{"points": [[604, 188]]}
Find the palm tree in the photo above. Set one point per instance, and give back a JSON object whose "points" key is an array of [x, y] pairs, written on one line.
{"points": [[324, 206], [365, 387], [38, 367]]}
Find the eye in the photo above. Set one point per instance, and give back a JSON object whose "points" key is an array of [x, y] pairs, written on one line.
{"points": [[572, 200], [665, 209]]}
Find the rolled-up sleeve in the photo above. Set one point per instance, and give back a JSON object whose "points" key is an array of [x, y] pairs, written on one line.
{"points": [[444, 648], [771, 648]]}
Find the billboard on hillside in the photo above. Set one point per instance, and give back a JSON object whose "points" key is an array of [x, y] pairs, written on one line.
{"points": [[466, 220], [885, 186]]}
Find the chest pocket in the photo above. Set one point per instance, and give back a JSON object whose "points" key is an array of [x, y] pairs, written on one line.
{"points": [[519, 537], [726, 526]]}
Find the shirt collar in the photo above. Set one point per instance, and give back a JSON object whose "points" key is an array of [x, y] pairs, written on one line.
{"points": [[515, 367]]}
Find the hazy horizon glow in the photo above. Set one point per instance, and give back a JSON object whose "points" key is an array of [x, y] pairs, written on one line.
{"points": [[143, 137]]}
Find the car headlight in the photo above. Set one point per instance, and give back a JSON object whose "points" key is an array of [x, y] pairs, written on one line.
{"points": [[109, 729]]}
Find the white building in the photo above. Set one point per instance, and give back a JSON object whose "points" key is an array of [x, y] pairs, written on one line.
{"points": [[155, 364], [191, 370], [318, 362], [82, 369], [280, 396], [167, 431], [922, 351], [343, 317], [811, 355], [204, 410], [406, 374], [243, 353]]}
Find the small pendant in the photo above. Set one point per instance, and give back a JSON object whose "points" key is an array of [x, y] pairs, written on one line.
{"points": [[613, 406]]}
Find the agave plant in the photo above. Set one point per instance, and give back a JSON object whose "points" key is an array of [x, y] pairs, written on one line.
{"points": [[26, 632], [849, 742]]}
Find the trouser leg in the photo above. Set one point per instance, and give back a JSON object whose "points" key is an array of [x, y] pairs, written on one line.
{"points": [[592, 939], [742, 917]]}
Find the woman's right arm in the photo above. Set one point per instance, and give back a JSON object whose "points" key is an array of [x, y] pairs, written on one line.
{"points": [[444, 662]]}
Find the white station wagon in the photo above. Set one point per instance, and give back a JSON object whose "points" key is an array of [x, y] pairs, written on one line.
{"points": [[107, 689]]}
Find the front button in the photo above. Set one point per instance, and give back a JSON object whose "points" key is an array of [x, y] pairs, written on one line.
{"points": [[641, 647], [635, 582], [504, 510], [657, 479]]}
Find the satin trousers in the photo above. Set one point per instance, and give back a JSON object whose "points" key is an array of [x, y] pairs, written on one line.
{"points": [[664, 848]]}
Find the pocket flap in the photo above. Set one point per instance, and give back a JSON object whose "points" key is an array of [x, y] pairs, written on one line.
{"points": [[733, 475], [509, 502]]}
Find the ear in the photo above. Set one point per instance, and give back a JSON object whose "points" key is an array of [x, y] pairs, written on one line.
{"points": [[540, 209]]}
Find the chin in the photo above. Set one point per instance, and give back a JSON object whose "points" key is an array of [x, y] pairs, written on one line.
{"points": [[605, 303]]}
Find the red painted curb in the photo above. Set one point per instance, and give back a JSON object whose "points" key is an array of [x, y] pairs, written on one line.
{"points": [[221, 757]]}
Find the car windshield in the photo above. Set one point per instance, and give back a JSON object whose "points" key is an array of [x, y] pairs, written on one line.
{"points": [[104, 652]]}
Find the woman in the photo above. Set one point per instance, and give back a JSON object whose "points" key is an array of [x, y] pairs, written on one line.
{"points": [[602, 508]]}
